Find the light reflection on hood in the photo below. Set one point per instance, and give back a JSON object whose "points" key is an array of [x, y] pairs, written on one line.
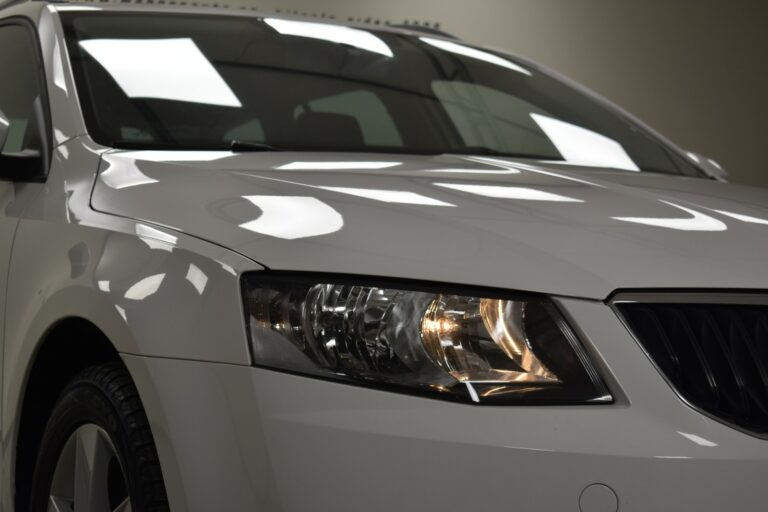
{"points": [[124, 176], [697, 222], [389, 196], [505, 192], [744, 218], [335, 166], [293, 217]]}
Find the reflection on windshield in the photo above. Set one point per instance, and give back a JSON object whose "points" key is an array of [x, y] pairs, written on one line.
{"points": [[580, 146], [191, 82], [167, 69], [474, 53], [361, 39]]}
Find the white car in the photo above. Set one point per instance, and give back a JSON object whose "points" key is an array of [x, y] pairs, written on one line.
{"points": [[255, 262]]}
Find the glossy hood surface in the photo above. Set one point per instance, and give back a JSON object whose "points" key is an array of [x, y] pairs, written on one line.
{"points": [[468, 220]]}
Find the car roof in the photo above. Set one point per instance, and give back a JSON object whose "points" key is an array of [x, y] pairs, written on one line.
{"points": [[215, 9]]}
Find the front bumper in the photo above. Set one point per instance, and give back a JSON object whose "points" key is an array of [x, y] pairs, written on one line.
{"points": [[239, 438]]}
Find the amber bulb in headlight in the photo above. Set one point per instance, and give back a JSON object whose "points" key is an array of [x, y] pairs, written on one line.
{"points": [[464, 334], [493, 349]]}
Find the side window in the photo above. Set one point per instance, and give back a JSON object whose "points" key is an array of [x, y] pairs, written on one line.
{"points": [[375, 122], [20, 88]]}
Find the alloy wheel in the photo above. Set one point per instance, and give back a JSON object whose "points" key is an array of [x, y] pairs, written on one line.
{"points": [[88, 475]]}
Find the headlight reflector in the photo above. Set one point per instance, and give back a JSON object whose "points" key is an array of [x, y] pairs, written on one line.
{"points": [[476, 347]]}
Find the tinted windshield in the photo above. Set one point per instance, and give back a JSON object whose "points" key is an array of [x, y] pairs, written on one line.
{"points": [[202, 82]]}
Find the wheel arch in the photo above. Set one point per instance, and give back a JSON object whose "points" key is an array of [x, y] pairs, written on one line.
{"points": [[94, 295], [69, 346]]}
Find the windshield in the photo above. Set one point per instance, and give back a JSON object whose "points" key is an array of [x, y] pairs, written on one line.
{"points": [[205, 82]]}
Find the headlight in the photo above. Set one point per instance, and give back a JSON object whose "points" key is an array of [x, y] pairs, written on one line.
{"points": [[477, 347]]}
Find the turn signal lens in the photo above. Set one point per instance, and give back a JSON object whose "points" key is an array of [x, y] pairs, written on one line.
{"points": [[430, 340]]}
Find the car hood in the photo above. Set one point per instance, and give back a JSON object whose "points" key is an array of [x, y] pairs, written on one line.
{"points": [[505, 223]]}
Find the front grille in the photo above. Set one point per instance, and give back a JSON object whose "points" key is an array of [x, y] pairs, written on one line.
{"points": [[715, 355]]}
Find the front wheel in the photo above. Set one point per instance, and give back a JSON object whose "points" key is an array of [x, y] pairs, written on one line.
{"points": [[97, 453]]}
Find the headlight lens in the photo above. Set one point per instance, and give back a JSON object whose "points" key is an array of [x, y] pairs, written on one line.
{"points": [[484, 348]]}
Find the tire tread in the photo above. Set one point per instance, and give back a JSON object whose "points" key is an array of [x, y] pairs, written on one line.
{"points": [[109, 390]]}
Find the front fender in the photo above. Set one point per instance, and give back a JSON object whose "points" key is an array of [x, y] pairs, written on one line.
{"points": [[151, 290], [148, 296]]}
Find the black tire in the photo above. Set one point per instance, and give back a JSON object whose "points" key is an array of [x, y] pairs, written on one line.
{"points": [[104, 396]]}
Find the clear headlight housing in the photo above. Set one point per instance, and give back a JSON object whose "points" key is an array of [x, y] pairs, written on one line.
{"points": [[474, 347]]}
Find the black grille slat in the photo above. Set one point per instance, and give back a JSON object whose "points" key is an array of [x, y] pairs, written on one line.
{"points": [[730, 379], [715, 355], [702, 382], [761, 332], [755, 358], [751, 366], [648, 320]]}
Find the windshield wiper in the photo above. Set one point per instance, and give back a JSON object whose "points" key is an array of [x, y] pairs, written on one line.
{"points": [[236, 146], [243, 146], [151, 145], [483, 151]]}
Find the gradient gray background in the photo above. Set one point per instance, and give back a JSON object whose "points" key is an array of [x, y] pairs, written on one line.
{"points": [[694, 70]]}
